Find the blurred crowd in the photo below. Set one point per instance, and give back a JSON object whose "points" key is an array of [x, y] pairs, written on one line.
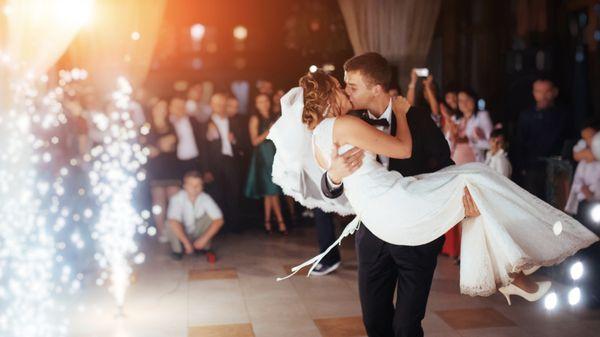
{"points": [[209, 160], [209, 164], [543, 141]]}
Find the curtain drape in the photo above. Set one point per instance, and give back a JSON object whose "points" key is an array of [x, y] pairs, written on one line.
{"points": [[33, 36], [400, 30], [106, 48], [37, 32]]}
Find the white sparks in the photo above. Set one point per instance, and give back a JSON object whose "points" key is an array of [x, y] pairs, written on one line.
{"points": [[113, 180], [30, 275]]}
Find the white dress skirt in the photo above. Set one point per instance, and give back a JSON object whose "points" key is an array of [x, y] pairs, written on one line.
{"points": [[514, 232]]}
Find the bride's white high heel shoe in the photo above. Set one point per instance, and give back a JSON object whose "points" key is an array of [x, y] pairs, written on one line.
{"points": [[512, 289]]}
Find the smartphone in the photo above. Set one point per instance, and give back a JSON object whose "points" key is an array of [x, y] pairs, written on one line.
{"points": [[422, 72]]}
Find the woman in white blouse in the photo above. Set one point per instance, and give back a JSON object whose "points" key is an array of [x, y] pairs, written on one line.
{"points": [[477, 123]]}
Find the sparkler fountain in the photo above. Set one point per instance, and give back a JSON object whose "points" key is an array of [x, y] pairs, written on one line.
{"points": [[114, 177]]}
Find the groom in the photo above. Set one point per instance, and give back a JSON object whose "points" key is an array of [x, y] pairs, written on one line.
{"points": [[384, 267]]}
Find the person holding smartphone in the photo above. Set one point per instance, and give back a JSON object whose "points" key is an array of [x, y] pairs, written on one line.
{"points": [[427, 97]]}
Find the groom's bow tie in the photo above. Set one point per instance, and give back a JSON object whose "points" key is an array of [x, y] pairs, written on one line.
{"points": [[376, 122]]}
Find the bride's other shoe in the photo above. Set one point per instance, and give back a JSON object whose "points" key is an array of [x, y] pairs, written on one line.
{"points": [[512, 289]]}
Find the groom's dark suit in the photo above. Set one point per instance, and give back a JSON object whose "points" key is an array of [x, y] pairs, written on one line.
{"points": [[383, 266]]}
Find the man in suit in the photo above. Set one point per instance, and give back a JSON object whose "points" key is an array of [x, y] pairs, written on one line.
{"points": [[384, 267], [221, 158], [189, 136]]}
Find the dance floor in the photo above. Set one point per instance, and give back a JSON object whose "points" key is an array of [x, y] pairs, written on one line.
{"points": [[239, 297]]}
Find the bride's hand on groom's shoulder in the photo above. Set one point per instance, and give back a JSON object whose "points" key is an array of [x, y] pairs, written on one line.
{"points": [[400, 105]]}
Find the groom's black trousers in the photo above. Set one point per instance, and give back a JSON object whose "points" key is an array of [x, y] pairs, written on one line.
{"points": [[383, 268]]}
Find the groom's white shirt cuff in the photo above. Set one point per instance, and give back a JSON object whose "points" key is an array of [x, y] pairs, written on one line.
{"points": [[331, 184]]}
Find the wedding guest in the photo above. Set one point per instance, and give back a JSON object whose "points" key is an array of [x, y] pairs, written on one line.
{"points": [[136, 107], [239, 124], [477, 124], [450, 113], [585, 190], [290, 202], [259, 183], [582, 150], [277, 102], [93, 114], [456, 130], [264, 87], [221, 162], [189, 136], [326, 236], [162, 168], [496, 157], [195, 106], [194, 219], [451, 96], [426, 98], [77, 139], [541, 132]]}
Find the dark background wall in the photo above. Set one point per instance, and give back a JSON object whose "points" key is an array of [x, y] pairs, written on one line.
{"points": [[496, 47]]}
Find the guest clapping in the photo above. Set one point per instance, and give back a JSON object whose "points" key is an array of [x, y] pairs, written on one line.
{"points": [[477, 123], [221, 161], [189, 136], [195, 106]]}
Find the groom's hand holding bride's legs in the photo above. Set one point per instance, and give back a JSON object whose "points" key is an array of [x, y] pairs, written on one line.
{"points": [[471, 209]]}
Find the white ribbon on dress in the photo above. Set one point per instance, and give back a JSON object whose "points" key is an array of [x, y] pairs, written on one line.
{"points": [[348, 230]]}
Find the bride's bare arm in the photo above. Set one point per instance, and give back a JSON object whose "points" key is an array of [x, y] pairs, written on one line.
{"points": [[355, 131]]}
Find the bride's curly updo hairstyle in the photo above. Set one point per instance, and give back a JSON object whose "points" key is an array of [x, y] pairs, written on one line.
{"points": [[319, 97]]}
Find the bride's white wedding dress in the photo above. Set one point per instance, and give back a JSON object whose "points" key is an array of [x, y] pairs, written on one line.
{"points": [[514, 232]]}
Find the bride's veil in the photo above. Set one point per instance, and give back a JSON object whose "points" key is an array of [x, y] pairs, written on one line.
{"points": [[294, 167]]}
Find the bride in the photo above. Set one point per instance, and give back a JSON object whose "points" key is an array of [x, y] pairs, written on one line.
{"points": [[515, 234]]}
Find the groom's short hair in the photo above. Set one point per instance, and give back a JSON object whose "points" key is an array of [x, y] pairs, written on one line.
{"points": [[373, 66]]}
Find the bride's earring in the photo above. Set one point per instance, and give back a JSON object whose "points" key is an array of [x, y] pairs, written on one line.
{"points": [[326, 110]]}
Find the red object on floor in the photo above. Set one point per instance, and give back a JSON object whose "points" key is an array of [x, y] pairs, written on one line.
{"points": [[211, 257], [452, 244]]}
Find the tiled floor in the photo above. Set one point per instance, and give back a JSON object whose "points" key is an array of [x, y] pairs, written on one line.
{"points": [[239, 297]]}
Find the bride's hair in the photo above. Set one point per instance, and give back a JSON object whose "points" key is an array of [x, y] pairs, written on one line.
{"points": [[319, 97]]}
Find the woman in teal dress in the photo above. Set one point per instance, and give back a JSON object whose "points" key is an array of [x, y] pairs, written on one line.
{"points": [[259, 183]]}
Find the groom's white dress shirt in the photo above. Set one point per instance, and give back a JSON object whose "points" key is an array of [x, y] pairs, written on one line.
{"points": [[387, 115]]}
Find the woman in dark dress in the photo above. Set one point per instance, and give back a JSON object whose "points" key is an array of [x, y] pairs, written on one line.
{"points": [[163, 172], [259, 183]]}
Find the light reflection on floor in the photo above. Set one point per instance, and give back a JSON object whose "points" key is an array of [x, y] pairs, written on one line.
{"points": [[239, 297]]}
